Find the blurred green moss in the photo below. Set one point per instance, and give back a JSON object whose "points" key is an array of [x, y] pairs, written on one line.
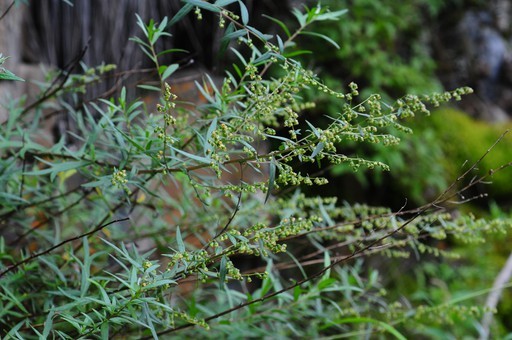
{"points": [[463, 140]]}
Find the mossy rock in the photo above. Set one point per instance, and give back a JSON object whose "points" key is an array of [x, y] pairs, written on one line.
{"points": [[464, 140]]}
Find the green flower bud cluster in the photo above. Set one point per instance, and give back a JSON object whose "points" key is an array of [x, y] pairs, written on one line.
{"points": [[231, 189], [119, 178], [435, 251], [226, 14], [189, 261], [189, 319], [162, 135], [447, 313], [198, 13], [288, 176], [309, 79], [232, 272], [165, 109]]}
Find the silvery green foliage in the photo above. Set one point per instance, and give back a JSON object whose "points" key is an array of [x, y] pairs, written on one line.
{"points": [[77, 220], [6, 74]]}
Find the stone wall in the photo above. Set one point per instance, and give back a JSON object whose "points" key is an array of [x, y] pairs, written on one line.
{"points": [[472, 47], [11, 34]]}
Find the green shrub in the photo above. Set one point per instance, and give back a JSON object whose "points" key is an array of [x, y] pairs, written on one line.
{"points": [[382, 44], [130, 225]]}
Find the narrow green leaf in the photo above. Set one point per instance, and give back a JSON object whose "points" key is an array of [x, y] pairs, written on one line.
{"points": [[13, 332], [179, 240], [105, 330], [250, 147], [58, 272], [133, 278], [148, 319], [103, 292], [57, 168], [8, 75], [319, 147], [280, 44], [181, 13], [223, 3], [162, 69], [171, 50], [296, 293], [118, 134], [331, 15], [204, 93], [325, 215], [11, 144], [163, 25], [12, 197], [213, 86], [141, 24], [13, 298], [265, 288], [301, 18], [222, 272], [233, 34], [124, 252], [140, 42], [209, 133], [277, 137], [271, 178], [296, 53], [321, 36], [313, 129], [131, 140], [149, 87], [48, 323], [238, 71], [160, 283], [280, 23], [148, 53], [262, 58], [70, 294], [132, 111], [103, 181], [122, 97], [192, 156], [170, 70], [203, 4], [244, 13], [125, 283], [224, 43], [260, 35], [327, 263], [85, 272]]}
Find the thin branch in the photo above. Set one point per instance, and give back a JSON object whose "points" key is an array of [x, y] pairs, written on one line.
{"points": [[63, 77], [53, 215], [475, 165], [494, 297], [9, 213], [7, 10], [237, 208], [119, 205], [49, 250]]}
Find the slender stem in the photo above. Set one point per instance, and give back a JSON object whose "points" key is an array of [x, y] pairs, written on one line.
{"points": [[49, 250]]}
